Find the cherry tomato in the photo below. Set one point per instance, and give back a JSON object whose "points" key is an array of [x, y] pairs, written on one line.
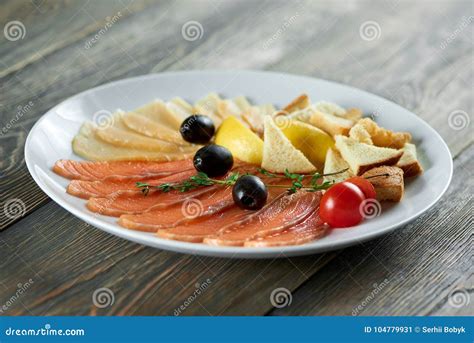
{"points": [[340, 204], [365, 186]]}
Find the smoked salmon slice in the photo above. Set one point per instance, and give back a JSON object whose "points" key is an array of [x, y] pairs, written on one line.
{"points": [[118, 170], [190, 209], [200, 228], [105, 188], [120, 203], [310, 229], [286, 212], [196, 230], [136, 202]]}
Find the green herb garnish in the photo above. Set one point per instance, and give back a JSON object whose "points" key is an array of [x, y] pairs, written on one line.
{"points": [[202, 180]]}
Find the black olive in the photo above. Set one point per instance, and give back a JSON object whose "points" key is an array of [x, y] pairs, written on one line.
{"points": [[250, 193], [197, 128], [214, 160]]}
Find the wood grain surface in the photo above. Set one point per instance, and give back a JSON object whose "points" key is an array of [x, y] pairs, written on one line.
{"points": [[417, 54]]}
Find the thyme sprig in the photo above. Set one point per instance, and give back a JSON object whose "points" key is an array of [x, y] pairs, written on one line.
{"points": [[199, 180], [297, 180], [202, 180]]}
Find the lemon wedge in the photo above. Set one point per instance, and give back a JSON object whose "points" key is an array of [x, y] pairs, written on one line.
{"points": [[311, 141], [240, 140]]}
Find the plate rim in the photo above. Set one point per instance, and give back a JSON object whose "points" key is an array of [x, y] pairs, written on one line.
{"points": [[224, 251]]}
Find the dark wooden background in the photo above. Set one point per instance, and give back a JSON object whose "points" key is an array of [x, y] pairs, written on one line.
{"points": [[420, 56]]}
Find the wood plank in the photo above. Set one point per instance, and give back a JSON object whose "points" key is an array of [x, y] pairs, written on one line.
{"points": [[424, 268], [48, 26], [68, 260]]}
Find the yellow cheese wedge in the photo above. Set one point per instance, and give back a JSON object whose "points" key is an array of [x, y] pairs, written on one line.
{"points": [[279, 154], [311, 141], [240, 140]]}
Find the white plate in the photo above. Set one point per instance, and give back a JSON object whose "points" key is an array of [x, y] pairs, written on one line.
{"points": [[50, 140]]}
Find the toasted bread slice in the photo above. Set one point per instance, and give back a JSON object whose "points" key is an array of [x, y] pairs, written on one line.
{"points": [[409, 162], [384, 137], [335, 163], [303, 115], [387, 188], [353, 114], [279, 154], [360, 134], [298, 103], [330, 123], [362, 157], [330, 108]]}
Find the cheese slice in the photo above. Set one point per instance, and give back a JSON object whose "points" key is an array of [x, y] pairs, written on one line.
{"points": [[279, 154]]}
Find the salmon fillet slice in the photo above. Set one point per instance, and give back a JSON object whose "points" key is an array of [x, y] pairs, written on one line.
{"points": [[308, 230], [286, 212], [136, 202], [104, 188], [202, 227], [199, 229], [188, 210], [118, 170]]}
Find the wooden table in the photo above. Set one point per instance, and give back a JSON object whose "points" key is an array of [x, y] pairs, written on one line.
{"points": [[417, 54]]}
